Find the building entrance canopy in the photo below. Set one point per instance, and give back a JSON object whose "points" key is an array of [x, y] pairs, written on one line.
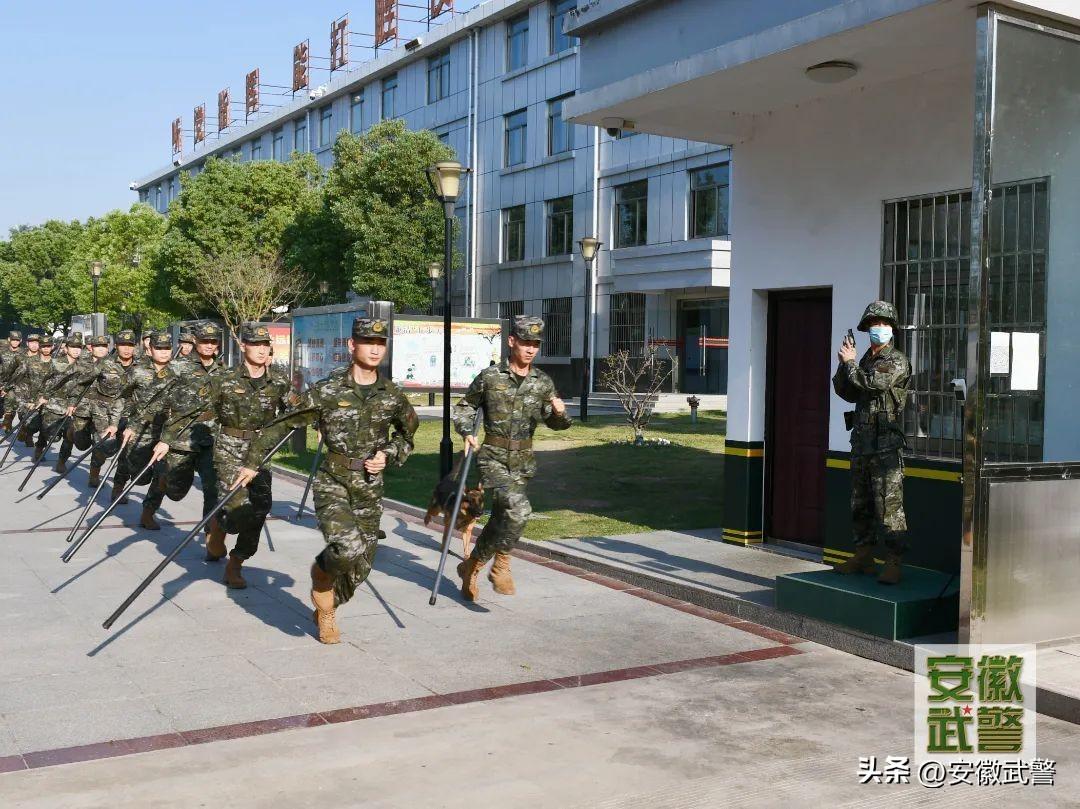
{"points": [[984, 115]]}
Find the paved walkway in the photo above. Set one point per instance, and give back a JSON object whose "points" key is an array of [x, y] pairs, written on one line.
{"points": [[579, 691]]}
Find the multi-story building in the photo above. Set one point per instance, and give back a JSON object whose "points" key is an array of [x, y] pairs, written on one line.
{"points": [[491, 84]]}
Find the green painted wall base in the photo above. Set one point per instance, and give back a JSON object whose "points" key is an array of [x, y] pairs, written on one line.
{"points": [[905, 610]]}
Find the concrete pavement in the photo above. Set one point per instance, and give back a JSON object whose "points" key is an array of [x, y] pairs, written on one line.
{"points": [[579, 691]]}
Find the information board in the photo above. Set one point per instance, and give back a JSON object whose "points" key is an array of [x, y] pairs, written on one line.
{"points": [[417, 351]]}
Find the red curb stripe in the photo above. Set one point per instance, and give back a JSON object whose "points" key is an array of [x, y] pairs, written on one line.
{"points": [[240, 730], [100, 750]]}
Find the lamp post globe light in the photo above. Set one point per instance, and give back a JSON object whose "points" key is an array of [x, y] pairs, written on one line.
{"points": [[324, 290], [588, 247], [434, 271], [95, 275], [445, 180]]}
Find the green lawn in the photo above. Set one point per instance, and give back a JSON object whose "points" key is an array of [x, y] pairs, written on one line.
{"points": [[590, 484]]}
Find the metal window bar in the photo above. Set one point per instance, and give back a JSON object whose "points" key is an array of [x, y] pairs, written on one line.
{"points": [[926, 249], [508, 310], [626, 323], [556, 327]]}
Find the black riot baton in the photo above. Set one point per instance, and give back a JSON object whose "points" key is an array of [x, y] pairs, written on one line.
{"points": [[310, 477], [70, 469], [101, 485], [74, 549], [451, 516], [184, 542], [57, 431], [11, 436]]}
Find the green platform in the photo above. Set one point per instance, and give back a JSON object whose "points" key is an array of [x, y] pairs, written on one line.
{"points": [[914, 607]]}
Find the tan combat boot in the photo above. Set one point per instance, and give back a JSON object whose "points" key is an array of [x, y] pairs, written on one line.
{"points": [[891, 573], [215, 541], [9, 417], [233, 579], [322, 597], [38, 452], [147, 520], [117, 490], [61, 466], [469, 570], [500, 577], [24, 436], [95, 476], [861, 562]]}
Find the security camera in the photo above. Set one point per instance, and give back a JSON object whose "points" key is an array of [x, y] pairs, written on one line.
{"points": [[176, 161], [959, 389], [132, 186], [613, 126]]}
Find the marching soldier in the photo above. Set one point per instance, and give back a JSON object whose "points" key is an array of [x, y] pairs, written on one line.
{"points": [[355, 409], [194, 450], [13, 384], [243, 400], [99, 412], [30, 388], [877, 386], [515, 398], [142, 412], [68, 374], [124, 343], [10, 360], [187, 343]]}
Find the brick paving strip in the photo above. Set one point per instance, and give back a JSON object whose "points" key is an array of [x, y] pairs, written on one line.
{"points": [[165, 741]]}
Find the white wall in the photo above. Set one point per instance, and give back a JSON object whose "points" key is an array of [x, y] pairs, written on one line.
{"points": [[807, 193]]}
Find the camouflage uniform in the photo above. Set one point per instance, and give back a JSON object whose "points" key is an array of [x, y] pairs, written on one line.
{"points": [[66, 381], [355, 422], [144, 401], [193, 450], [513, 407], [29, 388], [877, 386], [242, 406], [12, 377], [10, 362], [100, 408]]}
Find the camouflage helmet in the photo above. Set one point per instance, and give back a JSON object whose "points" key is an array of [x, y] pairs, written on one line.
{"points": [[187, 335], [160, 339], [255, 333], [46, 341], [14, 334], [98, 340], [75, 340], [125, 337], [527, 327], [33, 337], [208, 331], [364, 327], [879, 309]]}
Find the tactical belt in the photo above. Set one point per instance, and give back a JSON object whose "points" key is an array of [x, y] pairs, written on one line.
{"points": [[344, 461], [507, 443], [235, 432]]}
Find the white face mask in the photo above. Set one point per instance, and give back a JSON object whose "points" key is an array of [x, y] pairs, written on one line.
{"points": [[880, 335]]}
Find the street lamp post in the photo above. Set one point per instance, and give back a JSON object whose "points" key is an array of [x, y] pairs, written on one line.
{"points": [[324, 290], [588, 246], [434, 270], [95, 275], [445, 179]]}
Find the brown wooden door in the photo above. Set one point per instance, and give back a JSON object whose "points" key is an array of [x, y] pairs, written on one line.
{"points": [[797, 426]]}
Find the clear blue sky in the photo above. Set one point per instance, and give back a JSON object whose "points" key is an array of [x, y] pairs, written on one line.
{"points": [[93, 86]]}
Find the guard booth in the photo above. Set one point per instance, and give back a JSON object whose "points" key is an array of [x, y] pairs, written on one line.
{"points": [[922, 151]]}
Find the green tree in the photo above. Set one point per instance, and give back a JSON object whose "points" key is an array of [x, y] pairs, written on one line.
{"points": [[230, 208], [128, 243], [35, 275], [379, 226]]}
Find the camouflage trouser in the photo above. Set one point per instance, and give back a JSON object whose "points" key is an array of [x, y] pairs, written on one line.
{"points": [[348, 509], [175, 476], [135, 456], [246, 512], [50, 423], [877, 500], [29, 420], [86, 430]]}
